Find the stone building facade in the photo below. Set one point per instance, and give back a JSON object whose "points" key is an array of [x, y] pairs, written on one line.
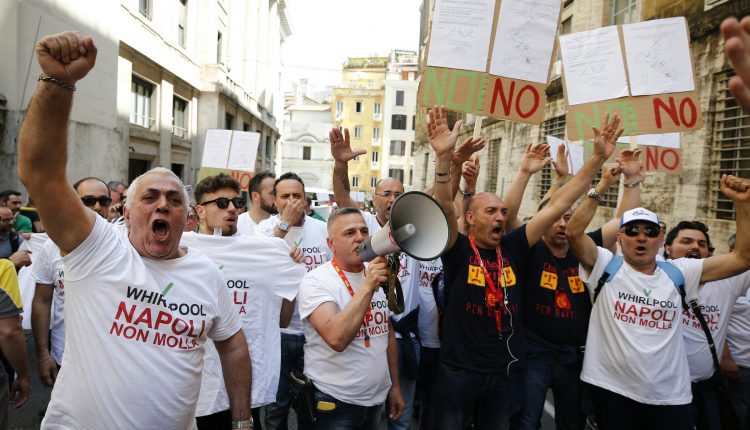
{"points": [[722, 146]]}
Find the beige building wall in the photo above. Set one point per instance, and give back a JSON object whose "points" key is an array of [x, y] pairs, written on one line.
{"points": [[692, 195]]}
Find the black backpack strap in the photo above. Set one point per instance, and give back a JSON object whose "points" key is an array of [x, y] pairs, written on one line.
{"points": [[14, 242], [699, 315]]}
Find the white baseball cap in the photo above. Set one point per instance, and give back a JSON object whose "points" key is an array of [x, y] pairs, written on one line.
{"points": [[639, 214]]}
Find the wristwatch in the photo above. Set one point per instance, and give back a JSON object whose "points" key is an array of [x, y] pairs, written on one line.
{"points": [[592, 194], [284, 226], [244, 424]]}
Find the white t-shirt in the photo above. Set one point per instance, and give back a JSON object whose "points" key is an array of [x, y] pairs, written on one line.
{"points": [[428, 312], [738, 333], [136, 330], [635, 345], [48, 269], [245, 224], [358, 375], [26, 283], [259, 273], [716, 300], [312, 238]]}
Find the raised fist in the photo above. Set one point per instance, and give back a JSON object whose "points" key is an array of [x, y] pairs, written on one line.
{"points": [[66, 56]]}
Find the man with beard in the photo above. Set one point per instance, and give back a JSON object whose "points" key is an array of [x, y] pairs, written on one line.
{"points": [[310, 236], [261, 196], [690, 239], [139, 308], [258, 284], [48, 306]]}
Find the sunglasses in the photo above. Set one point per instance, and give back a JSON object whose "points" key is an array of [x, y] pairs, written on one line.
{"points": [[633, 231], [90, 201], [6, 219], [223, 202]]}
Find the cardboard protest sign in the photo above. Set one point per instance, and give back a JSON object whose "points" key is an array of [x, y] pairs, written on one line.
{"points": [[232, 152], [653, 158], [491, 57], [642, 71]]}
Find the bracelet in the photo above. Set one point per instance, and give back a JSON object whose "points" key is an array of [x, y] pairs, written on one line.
{"points": [[47, 78], [633, 185], [49, 357], [244, 424], [467, 194]]}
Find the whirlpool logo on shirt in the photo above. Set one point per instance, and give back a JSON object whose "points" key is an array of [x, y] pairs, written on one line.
{"points": [[154, 320]]}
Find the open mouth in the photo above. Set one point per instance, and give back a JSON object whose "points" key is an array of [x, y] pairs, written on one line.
{"points": [[160, 228], [693, 254], [232, 219], [640, 249]]}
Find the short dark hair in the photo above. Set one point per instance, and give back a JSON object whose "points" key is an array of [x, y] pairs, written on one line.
{"points": [[341, 212], [112, 185], [211, 184], [82, 180], [288, 175], [7, 193], [686, 225], [255, 182]]}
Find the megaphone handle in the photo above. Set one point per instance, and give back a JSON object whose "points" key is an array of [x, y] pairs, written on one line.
{"points": [[392, 288]]}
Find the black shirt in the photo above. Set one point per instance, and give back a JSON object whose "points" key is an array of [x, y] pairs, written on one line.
{"points": [[556, 304], [470, 339]]}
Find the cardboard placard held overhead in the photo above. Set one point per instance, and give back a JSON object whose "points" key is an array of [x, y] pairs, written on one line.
{"points": [[491, 57], [653, 158], [642, 71]]}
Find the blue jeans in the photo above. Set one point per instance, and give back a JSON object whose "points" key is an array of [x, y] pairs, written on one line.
{"points": [[706, 405], [344, 416], [408, 386], [463, 396], [739, 390], [542, 371], [292, 356], [429, 363]]}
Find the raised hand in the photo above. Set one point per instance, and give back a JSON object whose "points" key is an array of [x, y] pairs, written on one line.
{"points": [[735, 188], [629, 162], [442, 139], [737, 47], [605, 138], [535, 157], [293, 211], [610, 175], [66, 56], [341, 146], [470, 172], [465, 150], [561, 165]]}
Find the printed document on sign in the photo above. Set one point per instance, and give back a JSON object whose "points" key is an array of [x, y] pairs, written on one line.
{"points": [[460, 36], [665, 140], [243, 151], [216, 148], [574, 153], [658, 57], [593, 66], [524, 39]]}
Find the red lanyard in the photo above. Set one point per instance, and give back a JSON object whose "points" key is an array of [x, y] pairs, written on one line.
{"points": [[368, 315], [492, 294]]}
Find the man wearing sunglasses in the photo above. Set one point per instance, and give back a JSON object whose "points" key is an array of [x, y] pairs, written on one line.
{"points": [[48, 306], [310, 235], [635, 356], [139, 308], [258, 283], [690, 239]]}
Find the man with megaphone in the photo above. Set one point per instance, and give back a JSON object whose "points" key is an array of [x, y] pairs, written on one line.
{"points": [[480, 327]]}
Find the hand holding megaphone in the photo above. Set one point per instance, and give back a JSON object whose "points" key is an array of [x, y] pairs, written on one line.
{"points": [[376, 274]]}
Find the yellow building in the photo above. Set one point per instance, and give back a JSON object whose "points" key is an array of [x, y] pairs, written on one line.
{"points": [[357, 104]]}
